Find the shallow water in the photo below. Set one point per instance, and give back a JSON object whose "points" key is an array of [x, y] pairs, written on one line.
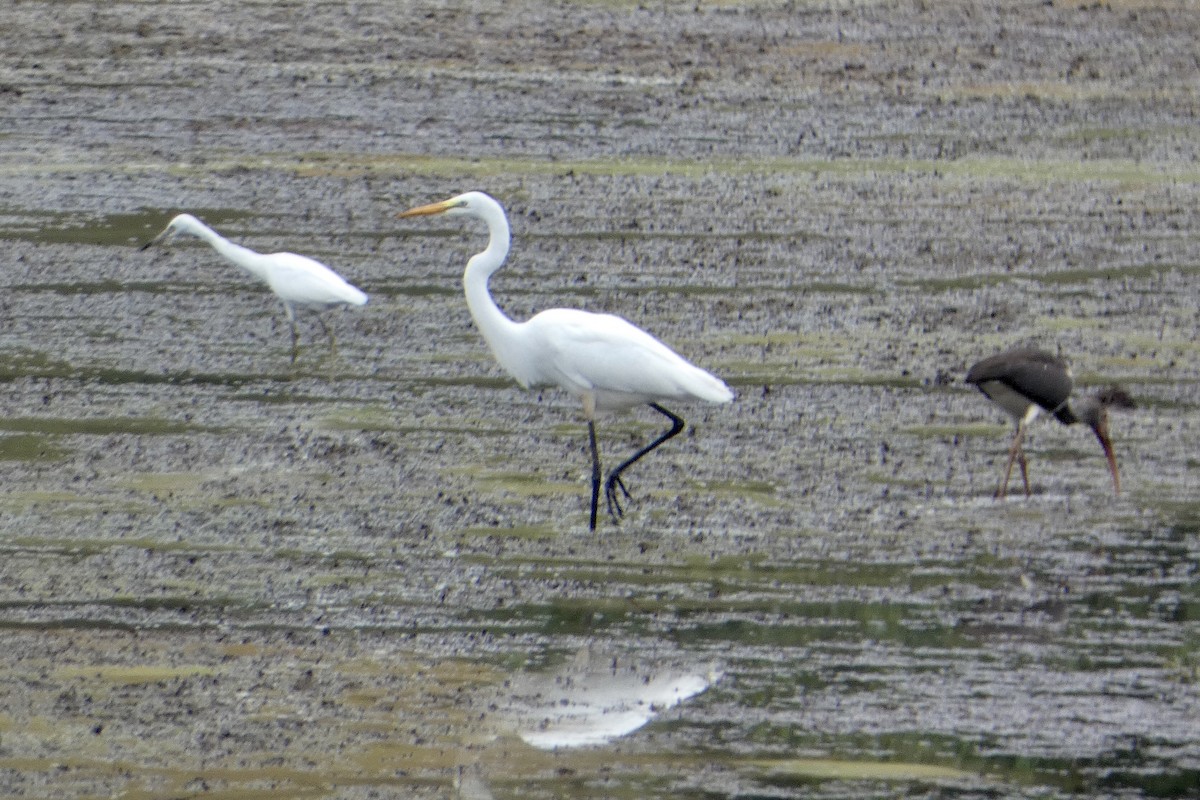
{"points": [[226, 575]]}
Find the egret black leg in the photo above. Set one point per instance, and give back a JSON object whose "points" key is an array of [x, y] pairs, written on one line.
{"points": [[595, 473], [614, 478]]}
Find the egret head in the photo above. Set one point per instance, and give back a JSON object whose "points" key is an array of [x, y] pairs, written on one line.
{"points": [[182, 225], [471, 204], [475, 205]]}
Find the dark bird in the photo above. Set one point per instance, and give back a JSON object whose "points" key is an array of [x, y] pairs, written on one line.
{"points": [[1024, 382]]}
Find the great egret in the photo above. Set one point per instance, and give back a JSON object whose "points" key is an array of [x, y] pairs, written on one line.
{"points": [[1025, 382], [298, 281], [603, 360]]}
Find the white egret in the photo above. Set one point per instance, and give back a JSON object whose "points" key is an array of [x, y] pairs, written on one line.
{"points": [[298, 281], [1024, 382], [602, 359]]}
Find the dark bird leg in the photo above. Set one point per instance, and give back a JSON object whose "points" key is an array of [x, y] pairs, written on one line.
{"points": [[1015, 453], [595, 473], [614, 478], [1024, 471]]}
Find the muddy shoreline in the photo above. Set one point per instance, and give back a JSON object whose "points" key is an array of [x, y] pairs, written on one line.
{"points": [[224, 575]]}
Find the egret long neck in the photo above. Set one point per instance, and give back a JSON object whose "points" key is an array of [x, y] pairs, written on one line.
{"points": [[496, 328], [244, 257]]}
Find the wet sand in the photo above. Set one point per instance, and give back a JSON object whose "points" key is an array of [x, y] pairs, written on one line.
{"points": [[223, 575]]}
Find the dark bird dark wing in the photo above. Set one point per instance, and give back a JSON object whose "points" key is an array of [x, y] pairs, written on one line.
{"points": [[1043, 378]]}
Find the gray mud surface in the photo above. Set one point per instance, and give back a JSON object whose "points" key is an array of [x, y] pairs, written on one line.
{"points": [[225, 577]]}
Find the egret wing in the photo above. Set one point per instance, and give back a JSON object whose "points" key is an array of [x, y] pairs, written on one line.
{"points": [[303, 281], [607, 354]]}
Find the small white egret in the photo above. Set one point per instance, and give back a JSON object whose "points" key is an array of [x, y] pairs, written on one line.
{"points": [[1024, 382], [298, 281], [602, 359]]}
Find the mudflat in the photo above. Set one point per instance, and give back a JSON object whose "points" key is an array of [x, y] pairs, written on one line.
{"points": [[224, 575]]}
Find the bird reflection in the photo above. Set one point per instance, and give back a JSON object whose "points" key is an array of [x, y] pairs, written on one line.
{"points": [[596, 699]]}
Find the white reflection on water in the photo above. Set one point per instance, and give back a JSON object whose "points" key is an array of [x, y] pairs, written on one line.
{"points": [[596, 699], [469, 784]]}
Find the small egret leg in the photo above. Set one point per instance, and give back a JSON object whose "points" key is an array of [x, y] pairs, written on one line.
{"points": [[295, 340], [595, 473], [614, 478], [291, 317], [329, 334]]}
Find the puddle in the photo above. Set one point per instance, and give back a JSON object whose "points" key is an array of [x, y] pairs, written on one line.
{"points": [[143, 426], [594, 699], [826, 769], [31, 448], [111, 230]]}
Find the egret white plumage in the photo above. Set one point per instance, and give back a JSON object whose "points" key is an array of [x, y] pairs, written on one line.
{"points": [[298, 281], [601, 359], [1024, 382]]}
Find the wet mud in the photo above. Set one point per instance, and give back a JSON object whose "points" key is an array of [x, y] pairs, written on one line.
{"points": [[226, 576]]}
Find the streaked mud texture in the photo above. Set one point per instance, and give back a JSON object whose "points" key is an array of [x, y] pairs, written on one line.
{"points": [[222, 576]]}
